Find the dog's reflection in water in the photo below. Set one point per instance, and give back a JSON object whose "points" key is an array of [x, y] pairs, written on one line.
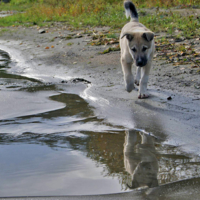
{"points": [[140, 160]]}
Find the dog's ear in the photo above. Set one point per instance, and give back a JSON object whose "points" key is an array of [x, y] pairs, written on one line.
{"points": [[148, 36], [128, 36]]}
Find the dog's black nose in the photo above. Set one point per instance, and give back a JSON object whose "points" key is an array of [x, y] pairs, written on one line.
{"points": [[140, 63]]}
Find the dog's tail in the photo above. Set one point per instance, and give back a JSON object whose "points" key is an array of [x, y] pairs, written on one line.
{"points": [[130, 10]]}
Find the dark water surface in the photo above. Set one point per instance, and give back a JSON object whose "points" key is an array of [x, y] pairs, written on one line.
{"points": [[51, 143]]}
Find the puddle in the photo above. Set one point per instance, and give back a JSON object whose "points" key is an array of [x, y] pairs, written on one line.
{"points": [[52, 143]]}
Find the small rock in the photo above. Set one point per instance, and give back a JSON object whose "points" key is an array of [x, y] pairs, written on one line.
{"points": [[78, 36], [179, 39], [196, 86], [63, 81], [169, 98], [41, 31], [76, 80]]}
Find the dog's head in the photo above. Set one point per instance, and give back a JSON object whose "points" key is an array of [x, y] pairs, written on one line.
{"points": [[140, 46]]}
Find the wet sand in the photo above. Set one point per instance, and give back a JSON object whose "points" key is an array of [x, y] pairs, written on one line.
{"points": [[175, 121]]}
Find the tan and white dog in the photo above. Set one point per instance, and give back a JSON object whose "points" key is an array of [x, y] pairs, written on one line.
{"points": [[137, 46]]}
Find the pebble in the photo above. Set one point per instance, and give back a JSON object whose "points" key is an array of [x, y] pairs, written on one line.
{"points": [[41, 31]]}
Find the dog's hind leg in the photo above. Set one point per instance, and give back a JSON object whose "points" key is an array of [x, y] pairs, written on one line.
{"points": [[143, 81], [138, 76], [128, 76]]}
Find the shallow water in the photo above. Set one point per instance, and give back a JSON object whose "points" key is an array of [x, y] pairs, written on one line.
{"points": [[52, 143]]}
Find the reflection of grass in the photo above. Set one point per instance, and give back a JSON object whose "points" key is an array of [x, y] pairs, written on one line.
{"points": [[100, 13]]}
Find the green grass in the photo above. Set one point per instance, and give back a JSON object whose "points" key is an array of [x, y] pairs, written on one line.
{"points": [[167, 3], [112, 35], [188, 26], [85, 13], [17, 5], [79, 15]]}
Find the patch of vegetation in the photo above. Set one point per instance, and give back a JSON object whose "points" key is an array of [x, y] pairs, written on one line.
{"points": [[177, 53], [112, 35], [168, 3], [17, 5], [79, 14], [108, 50], [169, 22], [103, 38], [3, 30], [85, 13], [70, 44]]}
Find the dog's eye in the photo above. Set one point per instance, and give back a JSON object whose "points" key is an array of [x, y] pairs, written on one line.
{"points": [[144, 48], [134, 49]]}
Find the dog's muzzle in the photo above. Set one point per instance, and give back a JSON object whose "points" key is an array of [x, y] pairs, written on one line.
{"points": [[141, 62]]}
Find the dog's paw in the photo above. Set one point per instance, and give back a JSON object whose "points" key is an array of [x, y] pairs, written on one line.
{"points": [[129, 83], [137, 82], [130, 87], [143, 96]]}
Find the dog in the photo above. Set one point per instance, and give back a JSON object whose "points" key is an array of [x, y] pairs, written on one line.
{"points": [[137, 46]]}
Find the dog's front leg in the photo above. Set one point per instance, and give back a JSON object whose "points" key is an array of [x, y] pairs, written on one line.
{"points": [[128, 76], [143, 82], [138, 76]]}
